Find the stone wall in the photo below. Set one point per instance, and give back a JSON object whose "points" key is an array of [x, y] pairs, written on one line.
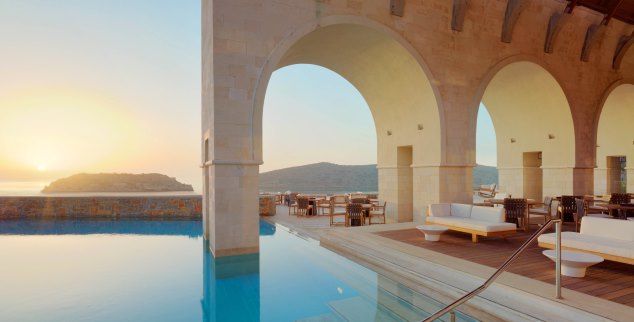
{"points": [[189, 207]]}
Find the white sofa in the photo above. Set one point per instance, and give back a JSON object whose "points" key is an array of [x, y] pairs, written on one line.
{"points": [[612, 239], [475, 220]]}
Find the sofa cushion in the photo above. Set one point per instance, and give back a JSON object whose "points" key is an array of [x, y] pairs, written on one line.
{"points": [[460, 210], [491, 214], [609, 228], [604, 245], [439, 210], [472, 224]]}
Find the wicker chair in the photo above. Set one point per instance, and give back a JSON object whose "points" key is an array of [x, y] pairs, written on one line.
{"points": [[354, 214], [618, 199], [303, 207], [515, 209], [544, 211], [377, 211], [567, 207]]}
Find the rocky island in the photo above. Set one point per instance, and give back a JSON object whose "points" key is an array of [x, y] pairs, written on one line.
{"points": [[117, 182]]}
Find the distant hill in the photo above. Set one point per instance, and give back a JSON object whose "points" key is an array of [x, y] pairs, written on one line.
{"points": [[483, 174], [326, 177], [117, 182]]}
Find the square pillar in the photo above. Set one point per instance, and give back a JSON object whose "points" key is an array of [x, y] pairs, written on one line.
{"points": [[232, 199]]}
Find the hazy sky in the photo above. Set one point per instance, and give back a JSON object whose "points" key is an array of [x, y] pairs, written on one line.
{"points": [[114, 86]]}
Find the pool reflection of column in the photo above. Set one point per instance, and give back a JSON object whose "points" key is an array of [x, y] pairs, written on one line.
{"points": [[231, 287]]}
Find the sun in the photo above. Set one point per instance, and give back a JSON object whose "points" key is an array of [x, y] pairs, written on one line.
{"points": [[41, 167]]}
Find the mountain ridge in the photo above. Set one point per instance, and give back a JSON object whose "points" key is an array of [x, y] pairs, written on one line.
{"points": [[326, 177]]}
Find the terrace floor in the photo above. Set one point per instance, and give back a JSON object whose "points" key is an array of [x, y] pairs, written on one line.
{"points": [[607, 290], [609, 280]]}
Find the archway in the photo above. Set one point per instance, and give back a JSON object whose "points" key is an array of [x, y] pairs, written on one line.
{"points": [[394, 82], [615, 156], [534, 129]]}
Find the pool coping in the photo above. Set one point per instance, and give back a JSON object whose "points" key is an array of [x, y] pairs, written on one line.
{"points": [[453, 277]]}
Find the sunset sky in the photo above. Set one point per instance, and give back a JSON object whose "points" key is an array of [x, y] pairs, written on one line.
{"points": [[114, 86]]}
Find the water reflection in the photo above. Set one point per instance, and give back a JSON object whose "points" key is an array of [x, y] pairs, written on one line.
{"points": [[231, 287]]}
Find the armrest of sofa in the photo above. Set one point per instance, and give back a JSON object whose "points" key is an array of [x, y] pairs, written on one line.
{"points": [[439, 210]]}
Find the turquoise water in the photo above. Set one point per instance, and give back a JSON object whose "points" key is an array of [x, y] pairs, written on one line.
{"points": [[161, 271]]}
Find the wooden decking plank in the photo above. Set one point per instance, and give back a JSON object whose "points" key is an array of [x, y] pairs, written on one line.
{"points": [[609, 280]]}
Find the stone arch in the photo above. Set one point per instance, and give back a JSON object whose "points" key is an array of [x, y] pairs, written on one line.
{"points": [[394, 81], [614, 135], [534, 127]]}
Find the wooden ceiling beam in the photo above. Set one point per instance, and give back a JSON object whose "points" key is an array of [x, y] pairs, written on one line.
{"points": [[514, 9], [458, 13], [555, 24], [611, 11]]}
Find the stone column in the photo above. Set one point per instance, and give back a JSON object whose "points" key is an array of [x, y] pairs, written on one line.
{"points": [[233, 222]]}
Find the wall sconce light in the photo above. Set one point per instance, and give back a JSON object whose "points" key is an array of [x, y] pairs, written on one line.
{"points": [[551, 136], [389, 132], [512, 140], [420, 127]]}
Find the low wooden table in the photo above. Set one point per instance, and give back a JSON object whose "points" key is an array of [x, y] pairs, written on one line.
{"points": [[432, 232], [574, 263], [622, 209]]}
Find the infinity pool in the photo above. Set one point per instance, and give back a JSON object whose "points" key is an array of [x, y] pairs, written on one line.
{"points": [[162, 271]]}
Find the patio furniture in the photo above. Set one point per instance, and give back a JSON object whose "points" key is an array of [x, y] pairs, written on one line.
{"points": [[432, 232], [574, 263], [377, 211], [487, 191], [517, 212], [334, 212], [543, 212], [619, 199], [322, 206], [474, 220], [304, 208], [354, 214], [580, 213], [567, 207], [609, 238]]}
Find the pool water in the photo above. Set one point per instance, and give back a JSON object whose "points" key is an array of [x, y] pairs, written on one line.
{"points": [[162, 271]]}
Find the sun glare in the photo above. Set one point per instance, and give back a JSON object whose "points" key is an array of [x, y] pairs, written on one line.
{"points": [[73, 129]]}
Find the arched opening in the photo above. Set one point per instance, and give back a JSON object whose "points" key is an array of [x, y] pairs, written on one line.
{"points": [[312, 115], [615, 156], [392, 80], [534, 129], [485, 172]]}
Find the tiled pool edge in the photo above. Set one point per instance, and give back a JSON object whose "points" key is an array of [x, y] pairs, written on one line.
{"points": [[452, 276]]}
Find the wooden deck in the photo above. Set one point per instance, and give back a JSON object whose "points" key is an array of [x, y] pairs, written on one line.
{"points": [[608, 280]]}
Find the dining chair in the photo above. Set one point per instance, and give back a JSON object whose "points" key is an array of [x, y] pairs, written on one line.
{"points": [[303, 207], [543, 212], [335, 212], [377, 211], [567, 207], [354, 214], [323, 205], [516, 211]]}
